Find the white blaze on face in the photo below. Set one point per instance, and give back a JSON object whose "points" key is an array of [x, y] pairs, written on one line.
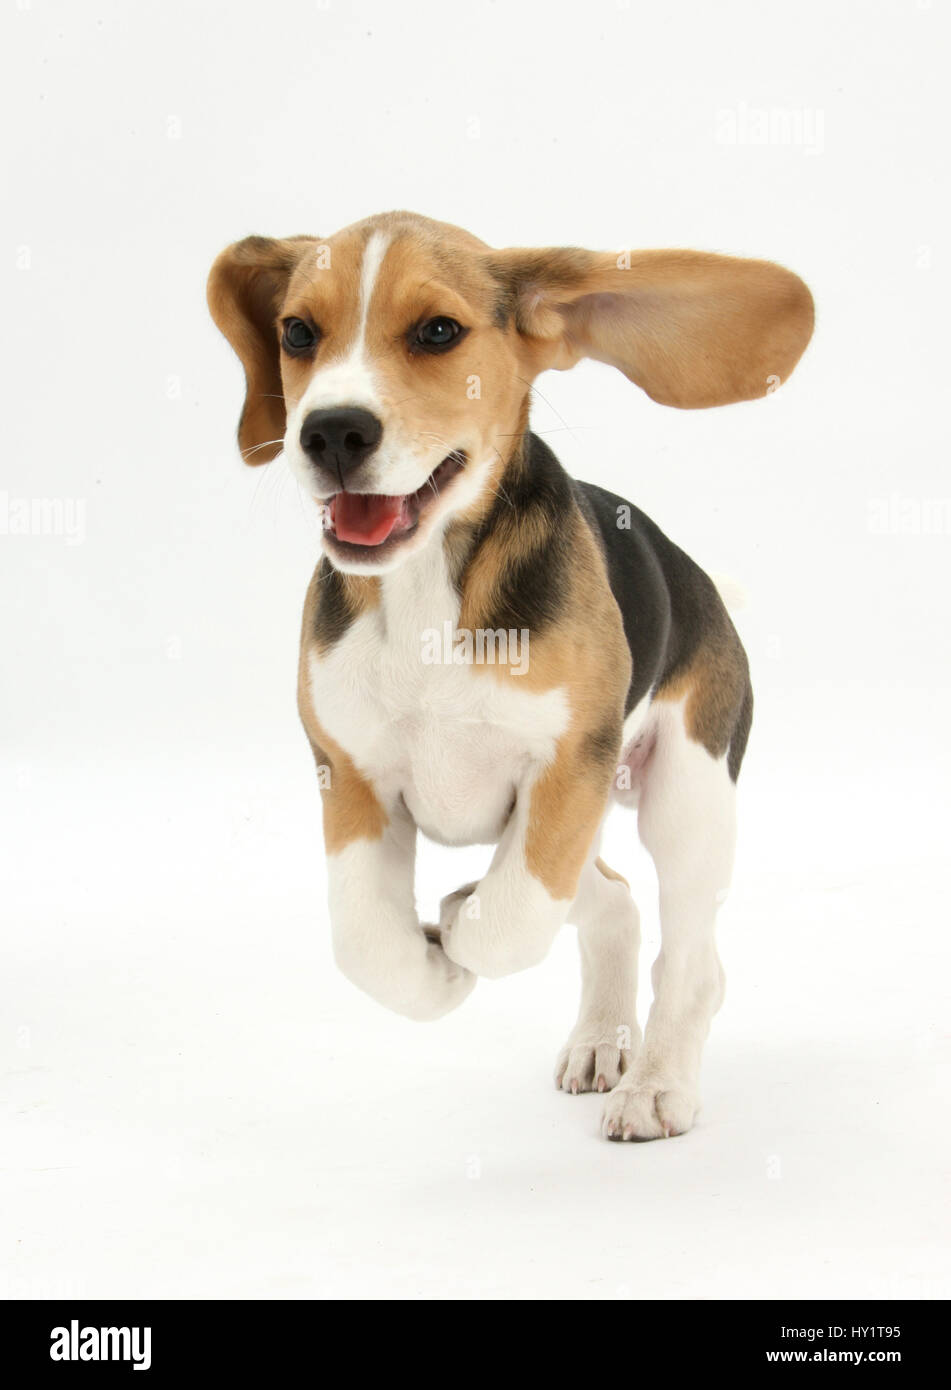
{"points": [[376, 249], [405, 459], [348, 380]]}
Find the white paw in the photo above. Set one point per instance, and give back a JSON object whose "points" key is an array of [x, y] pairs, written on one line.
{"points": [[416, 978], [590, 1066], [446, 986], [648, 1111], [498, 927]]}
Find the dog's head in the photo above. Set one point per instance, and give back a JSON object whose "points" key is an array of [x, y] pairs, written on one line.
{"points": [[392, 362]]}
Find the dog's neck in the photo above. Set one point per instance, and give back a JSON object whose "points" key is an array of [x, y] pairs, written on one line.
{"points": [[427, 589], [419, 594]]}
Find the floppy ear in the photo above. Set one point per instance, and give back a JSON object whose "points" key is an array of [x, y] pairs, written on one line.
{"points": [[691, 328], [246, 288]]}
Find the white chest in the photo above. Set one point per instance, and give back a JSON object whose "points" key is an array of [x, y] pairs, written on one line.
{"points": [[454, 740]]}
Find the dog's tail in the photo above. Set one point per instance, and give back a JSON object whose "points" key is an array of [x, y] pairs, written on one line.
{"points": [[735, 597]]}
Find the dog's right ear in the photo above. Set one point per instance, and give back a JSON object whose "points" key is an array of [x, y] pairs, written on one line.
{"points": [[246, 289]]}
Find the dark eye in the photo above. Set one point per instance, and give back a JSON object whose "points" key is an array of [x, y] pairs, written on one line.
{"points": [[437, 334], [298, 337]]}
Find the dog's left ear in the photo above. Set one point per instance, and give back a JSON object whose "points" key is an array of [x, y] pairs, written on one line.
{"points": [[246, 288], [691, 328]]}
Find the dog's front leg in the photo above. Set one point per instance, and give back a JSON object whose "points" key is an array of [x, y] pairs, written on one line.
{"points": [[508, 921], [378, 941]]}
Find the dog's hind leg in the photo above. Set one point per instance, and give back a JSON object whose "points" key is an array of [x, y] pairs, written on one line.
{"points": [[605, 1038], [687, 820]]}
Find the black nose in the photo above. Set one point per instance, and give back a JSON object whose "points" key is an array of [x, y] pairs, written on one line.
{"points": [[340, 438]]}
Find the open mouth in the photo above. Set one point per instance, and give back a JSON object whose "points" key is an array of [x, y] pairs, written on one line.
{"points": [[367, 520]]}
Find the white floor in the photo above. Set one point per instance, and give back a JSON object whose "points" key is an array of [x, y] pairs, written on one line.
{"points": [[195, 1104]]}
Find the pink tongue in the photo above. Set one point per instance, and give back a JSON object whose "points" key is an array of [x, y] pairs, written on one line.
{"points": [[365, 518]]}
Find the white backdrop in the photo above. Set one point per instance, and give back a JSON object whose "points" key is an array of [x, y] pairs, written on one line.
{"points": [[196, 1104]]}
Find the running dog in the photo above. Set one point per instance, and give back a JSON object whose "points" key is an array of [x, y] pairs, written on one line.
{"points": [[392, 364]]}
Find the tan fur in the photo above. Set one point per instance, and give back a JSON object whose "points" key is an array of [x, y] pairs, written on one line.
{"points": [[588, 656], [610, 873], [568, 803], [693, 329], [585, 655], [712, 687], [351, 808], [246, 288]]}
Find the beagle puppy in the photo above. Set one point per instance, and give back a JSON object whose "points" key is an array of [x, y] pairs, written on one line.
{"points": [[492, 652]]}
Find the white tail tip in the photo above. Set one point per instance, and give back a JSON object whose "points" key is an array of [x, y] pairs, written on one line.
{"points": [[732, 592]]}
